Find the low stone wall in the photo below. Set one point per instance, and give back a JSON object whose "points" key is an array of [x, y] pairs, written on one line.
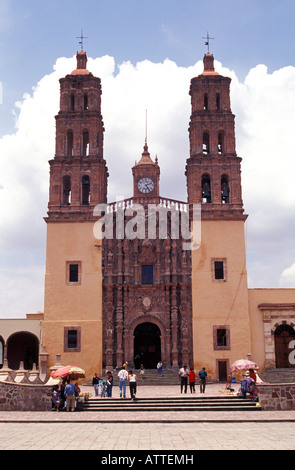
{"points": [[277, 396], [18, 397]]}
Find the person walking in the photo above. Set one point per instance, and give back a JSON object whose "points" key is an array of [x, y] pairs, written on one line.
{"points": [[183, 376], [160, 368], [202, 378], [132, 384], [141, 373], [123, 375]]}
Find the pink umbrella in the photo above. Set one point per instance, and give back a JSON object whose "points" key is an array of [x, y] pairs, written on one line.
{"points": [[68, 370], [243, 364]]}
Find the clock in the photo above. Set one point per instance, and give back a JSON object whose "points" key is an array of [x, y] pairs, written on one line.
{"points": [[145, 185]]}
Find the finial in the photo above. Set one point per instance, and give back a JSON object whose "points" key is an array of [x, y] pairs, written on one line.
{"points": [[207, 42], [146, 127], [81, 39]]}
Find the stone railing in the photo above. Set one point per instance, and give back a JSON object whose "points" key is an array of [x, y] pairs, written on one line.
{"points": [[22, 390], [18, 397], [277, 396]]}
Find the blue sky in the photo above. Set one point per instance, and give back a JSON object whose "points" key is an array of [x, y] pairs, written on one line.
{"points": [[34, 33], [146, 53]]}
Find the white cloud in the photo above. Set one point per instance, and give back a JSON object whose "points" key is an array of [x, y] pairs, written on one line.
{"points": [[287, 278], [264, 105]]}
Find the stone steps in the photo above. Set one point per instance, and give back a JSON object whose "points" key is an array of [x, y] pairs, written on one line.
{"points": [[229, 403], [152, 377]]}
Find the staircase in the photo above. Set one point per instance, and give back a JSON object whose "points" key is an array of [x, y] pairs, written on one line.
{"points": [[273, 376], [225, 403], [152, 377]]}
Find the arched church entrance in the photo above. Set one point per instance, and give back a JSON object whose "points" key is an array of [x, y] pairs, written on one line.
{"points": [[147, 345], [283, 335], [22, 346]]}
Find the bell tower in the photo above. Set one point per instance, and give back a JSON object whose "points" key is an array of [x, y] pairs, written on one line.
{"points": [[220, 310], [78, 182], [213, 168], [78, 172]]}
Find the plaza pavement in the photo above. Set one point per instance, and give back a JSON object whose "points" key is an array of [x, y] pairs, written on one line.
{"points": [[169, 431]]}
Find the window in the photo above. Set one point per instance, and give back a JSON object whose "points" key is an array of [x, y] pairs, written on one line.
{"points": [[147, 274], [220, 145], [66, 190], [206, 148], [85, 190], [206, 189], [72, 339], [74, 273], [72, 102], [85, 102], [70, 143], [73, 270], [221, 337], [224, 190], [205, 102], [219, 269], [218, 101], [85, 149]]}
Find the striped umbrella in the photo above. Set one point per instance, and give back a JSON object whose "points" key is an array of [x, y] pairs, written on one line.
{"points": [[243, 364], [68, 370]]}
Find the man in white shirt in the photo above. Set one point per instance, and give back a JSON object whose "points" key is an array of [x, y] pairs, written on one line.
{"points": [[123, 374], [183, 376]]}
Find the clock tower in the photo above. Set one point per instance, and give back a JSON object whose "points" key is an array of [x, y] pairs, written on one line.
{"points": [[146, 176]]}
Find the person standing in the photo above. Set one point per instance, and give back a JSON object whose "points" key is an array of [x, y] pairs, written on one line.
{"points": [[183, 376], [95, 383], [123, 374], [192, 380], [202, 378], [70, 396], [110, 382], [132, 384]]}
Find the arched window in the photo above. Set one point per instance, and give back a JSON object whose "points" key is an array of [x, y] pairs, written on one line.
{"points": [[85, 102], [85, 190], [218, 101], [205, 102], [72, 102], [85, 150], [70, 143], [66, 190], [206, 147], [206, 189], [224, 189], [220, 145]]}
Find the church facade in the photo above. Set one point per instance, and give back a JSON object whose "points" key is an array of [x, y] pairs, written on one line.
{"points": [[122, 281]]}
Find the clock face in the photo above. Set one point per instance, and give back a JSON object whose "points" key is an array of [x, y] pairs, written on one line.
{"points": [[145, 185]]}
